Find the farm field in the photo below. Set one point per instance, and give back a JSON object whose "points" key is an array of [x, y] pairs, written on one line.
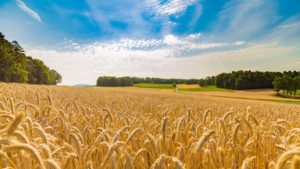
{"points": [[258, 94], [152, 85], [187, 86], [182, 87], [79, 128], [262, 94], [205, 89]]}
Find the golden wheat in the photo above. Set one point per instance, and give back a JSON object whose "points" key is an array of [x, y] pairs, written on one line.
{"points": [[110, 128]]}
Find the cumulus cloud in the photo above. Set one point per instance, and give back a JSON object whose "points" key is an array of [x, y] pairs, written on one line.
{"points": [[95, 60], [172, 40], [191, 56], [29, 11], [170, 56], [136, 57]]}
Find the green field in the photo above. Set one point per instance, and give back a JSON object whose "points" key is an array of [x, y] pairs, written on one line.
{"points": [[151, 85], [286, 101], [170, 86], [206, 89]]}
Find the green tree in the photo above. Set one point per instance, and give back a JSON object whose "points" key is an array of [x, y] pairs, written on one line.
{"points": [[15, 66], [55, 77], [287, 82], [278, 84], [17, 47], [19, 74], [296, 85]]}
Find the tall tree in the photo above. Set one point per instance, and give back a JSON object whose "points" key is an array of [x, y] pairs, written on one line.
{"points": [[15, 66], [278, 84], [296, 85]]}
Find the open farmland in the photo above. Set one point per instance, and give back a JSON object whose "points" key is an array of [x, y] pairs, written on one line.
{"points": [[153, 85], [261, 94], [188, 86], [204, 89], [80, 127]]}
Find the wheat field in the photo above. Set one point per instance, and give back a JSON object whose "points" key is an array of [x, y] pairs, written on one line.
{"points": [[188, 86], [51, 127]]}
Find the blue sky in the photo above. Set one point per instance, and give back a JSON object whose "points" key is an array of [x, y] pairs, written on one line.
{"points": [[163, 38]]}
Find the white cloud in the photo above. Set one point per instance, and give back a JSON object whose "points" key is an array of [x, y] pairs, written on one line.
{"points": [[172, 40], [129, 12], [245, 19], [197, 14], [192, 56], [189, 42], [166, 57], [132, 13], [287, 33], [194, 36], [121, 59], [238, 43], [170, 7], [139, 43], [29, 11], [208, 45]]}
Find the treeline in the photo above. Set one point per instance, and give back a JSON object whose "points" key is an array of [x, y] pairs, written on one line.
{"points": [[15, 66], [246, 79], [288, 84], [129, 81]]}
